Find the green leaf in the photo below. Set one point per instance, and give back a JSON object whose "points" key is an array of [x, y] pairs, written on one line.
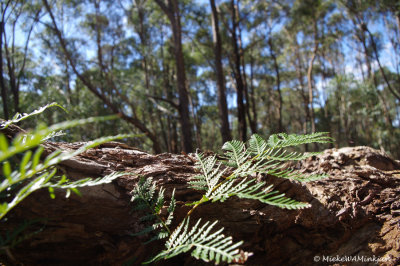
{"points": [[23, 165], [3, 143], [282, 140], [210, 173], [36, 156], [51, 191], [205, 242], [7, 169], [257, 145], [235, 153], [24, 142], [19, 117]]}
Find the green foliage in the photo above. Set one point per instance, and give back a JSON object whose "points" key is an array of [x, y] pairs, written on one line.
{"points": [[145, 198], [33, 171], [207, 245], [20, 117], [219, 179]]}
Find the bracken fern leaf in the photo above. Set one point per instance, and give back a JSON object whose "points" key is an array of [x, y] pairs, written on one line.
{"points": [[205, 243]]}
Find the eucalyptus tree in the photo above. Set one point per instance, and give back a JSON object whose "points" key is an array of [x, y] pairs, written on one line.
{"points": [[4, 94], [17, 57], [171, 9], [360, 15], [100, 80], [217, 45]]}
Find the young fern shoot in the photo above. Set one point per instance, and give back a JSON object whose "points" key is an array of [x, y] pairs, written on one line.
{"points": [[242, 162]]}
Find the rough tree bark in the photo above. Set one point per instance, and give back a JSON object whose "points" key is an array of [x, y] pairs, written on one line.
{"points": [[355, 212]]}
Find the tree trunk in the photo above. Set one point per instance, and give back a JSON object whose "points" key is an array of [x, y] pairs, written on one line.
{"points": [[222, 105], [398, 25], [252, 94], [242, 127], [252, 122], [310, 78], [278, 86], [299, 72], [4, 95], [11, 73], [171, 9]]}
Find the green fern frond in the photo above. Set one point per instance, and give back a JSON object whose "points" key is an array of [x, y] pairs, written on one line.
{"points": [[171, 209], [42, 181], [33, 185], [259, 157], [210, 173], [272, 150], [238, 157], [24, 142], [282, 140], [145, 197], [205, 244], [235, 153], [19, 117], [64, 183], [257, 145], [30, 165], [284, 156], [251, 189], [54, 134], [33, 174]]}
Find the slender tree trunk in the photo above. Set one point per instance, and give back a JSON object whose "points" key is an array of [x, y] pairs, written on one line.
{"points": [[325, 108], [2, 83], [252, 94], [171, 9], [222, 105], [4, 95], [344, 118], [310, 78], [299, 71], [197, 124], [278, 85], [252, 123], [398, 25], [238, 77], [154, 115], [11, 70]]}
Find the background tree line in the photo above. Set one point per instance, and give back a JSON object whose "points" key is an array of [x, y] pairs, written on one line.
{"points": [[194, 73]]}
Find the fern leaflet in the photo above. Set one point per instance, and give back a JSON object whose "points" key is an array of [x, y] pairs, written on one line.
{"points": [[206, 244], [146, 198], [282, 140]]}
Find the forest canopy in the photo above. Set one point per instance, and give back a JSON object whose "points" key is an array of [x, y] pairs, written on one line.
{"points": [[194, 74]]}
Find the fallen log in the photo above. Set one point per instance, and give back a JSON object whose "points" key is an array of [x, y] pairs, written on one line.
{"points": [[355, 212]]}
